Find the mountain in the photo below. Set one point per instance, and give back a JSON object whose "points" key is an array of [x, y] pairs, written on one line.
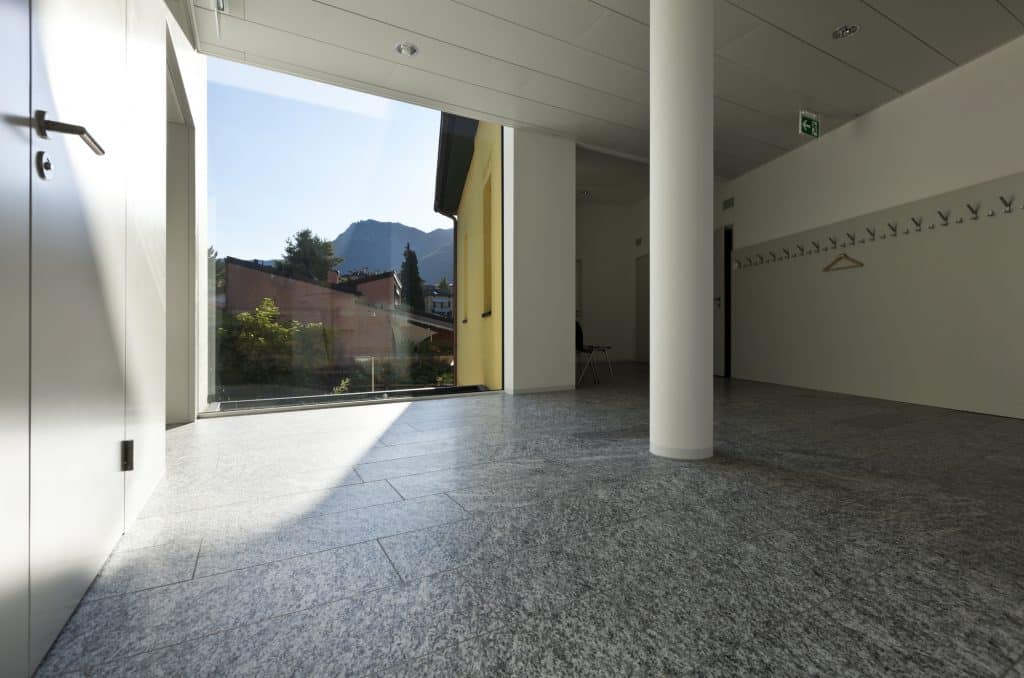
{"points": [[378, 246]]}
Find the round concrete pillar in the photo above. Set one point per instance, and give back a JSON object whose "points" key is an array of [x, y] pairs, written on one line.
{"points": [[682, 204]]}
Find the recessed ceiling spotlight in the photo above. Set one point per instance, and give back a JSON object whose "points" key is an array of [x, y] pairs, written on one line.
{"points": [[845, 31], [407, 49]]}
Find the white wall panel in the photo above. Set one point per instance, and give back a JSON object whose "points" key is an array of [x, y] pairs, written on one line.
{"points": [[181, 272], [933, 316], [190, 70], [146, 211], [15, 175], [540, 255]]}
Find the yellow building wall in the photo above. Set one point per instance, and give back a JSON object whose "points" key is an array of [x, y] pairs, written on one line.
{"points": [[478, 357]]}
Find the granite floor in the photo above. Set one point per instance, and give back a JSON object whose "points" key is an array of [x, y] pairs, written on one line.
{"points": [[536, 536]]}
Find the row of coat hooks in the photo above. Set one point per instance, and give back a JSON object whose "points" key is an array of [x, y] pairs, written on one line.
{"points": [[892, 229]]}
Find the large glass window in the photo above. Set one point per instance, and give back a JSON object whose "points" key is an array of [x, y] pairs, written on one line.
{"points": [[333, 222]]}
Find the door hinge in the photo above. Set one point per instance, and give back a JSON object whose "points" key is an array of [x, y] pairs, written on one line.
{"points": [[127, 455]]}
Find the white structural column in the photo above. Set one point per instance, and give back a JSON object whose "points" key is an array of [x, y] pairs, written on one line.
{"points": [[682, 203]]}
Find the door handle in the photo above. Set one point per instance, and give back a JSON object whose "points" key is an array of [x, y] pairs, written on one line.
{"points": [[44, 127]]}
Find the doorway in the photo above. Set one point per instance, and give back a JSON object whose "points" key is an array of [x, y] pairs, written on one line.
{"points": [[723, 301]]}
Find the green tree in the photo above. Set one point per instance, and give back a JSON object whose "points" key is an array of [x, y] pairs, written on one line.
{"points": [[257, 347], [311, 346], [254, 347], [215, 267], [308, 256], [412, 285], [443, 285]]}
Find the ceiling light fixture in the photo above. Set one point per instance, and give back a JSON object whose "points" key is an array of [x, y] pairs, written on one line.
{"points": [[845, 31], [407, 49]]}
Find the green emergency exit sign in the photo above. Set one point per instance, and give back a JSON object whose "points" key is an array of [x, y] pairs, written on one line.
{"points": [[810, 126]]}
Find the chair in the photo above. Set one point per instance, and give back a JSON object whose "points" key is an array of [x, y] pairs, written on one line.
{"points": [[589, 350]]}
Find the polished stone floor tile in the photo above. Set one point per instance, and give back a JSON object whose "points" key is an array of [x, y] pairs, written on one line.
{"points": [[122, 626], [952, 638], [490, 535], [352, 637], [465, 477], [407, 466], [820, 645], [535, 535], [318, 532], [135, 570], [265, 515]]}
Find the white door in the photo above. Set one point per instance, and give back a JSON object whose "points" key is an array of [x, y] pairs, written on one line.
{"points": [[14, 336], [78, 306]]}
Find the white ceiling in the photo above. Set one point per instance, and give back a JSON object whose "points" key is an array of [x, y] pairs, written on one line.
{"points": [[603, 178], [578, 68]]}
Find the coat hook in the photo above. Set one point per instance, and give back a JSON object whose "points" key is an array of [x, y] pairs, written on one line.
{"points": [[800, 248], [772, 253], [944, 216], [1007, 203], [834, 242], [871, 232], [817, 247], [785, 250], [893, 225], [760, 258], [974, 208], [750, 262], [853, 239], [917, 222]]}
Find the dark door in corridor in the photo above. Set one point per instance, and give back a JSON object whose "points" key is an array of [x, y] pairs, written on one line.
{"points": [[643, 308]]}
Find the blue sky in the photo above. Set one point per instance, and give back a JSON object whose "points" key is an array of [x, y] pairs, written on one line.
{"points": [[287, 153]]}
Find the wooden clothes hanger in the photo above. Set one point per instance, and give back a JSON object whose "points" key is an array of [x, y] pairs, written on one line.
{"points": [[841, 263]]}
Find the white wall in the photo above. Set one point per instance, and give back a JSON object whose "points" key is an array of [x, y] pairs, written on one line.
{"points": [[606, 245], [181, 307], [539, 261], [931, 317], [187, 302], [959, 130], [145, 212], [612, 232]]}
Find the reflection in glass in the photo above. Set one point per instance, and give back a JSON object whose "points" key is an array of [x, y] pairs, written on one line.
{"points": [[333, 265]]}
